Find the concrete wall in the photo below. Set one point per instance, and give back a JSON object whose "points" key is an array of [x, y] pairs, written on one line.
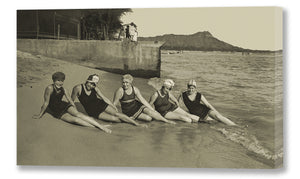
{"points": [[140, 59]]}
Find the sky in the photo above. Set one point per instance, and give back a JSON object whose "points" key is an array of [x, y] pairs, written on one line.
{"points": [[257, 28]]}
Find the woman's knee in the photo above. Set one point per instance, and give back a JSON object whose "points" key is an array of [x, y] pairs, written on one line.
{"points": [[77, 120], [78, 114], [111, 110], [213, 114], [145, 117], [115, 119], [70, 119], [119, 115], [148, 118]]}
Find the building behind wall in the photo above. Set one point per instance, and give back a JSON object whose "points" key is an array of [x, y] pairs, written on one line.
{"points": [[49, 24]]}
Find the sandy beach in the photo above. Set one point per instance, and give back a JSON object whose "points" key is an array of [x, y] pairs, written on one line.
{"points": [[50, 141]]}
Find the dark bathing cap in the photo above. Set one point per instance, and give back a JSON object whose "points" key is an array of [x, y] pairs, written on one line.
{"points": [[58, 76]]}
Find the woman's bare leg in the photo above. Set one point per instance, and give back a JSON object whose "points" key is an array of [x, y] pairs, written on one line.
{"points": [[183, 112], [177, 116], [75, 120], [217, 116], [144, 117], [122, 116], [73, 111], [156, 115], [108, 117]]}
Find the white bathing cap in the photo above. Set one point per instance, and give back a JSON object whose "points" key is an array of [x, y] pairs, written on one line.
{"points": [[192, 83]]}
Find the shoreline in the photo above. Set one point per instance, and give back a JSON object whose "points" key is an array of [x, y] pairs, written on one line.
{"points": [[50, 141]]}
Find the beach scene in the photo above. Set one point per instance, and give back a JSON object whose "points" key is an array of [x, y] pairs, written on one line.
{"points": [[243, 82]]}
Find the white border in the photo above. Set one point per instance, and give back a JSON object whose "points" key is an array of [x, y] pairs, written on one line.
{"points": [[8, 95]]}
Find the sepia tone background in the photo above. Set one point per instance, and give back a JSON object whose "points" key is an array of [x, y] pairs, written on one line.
{"points": [[243, 84], [291, 88]]}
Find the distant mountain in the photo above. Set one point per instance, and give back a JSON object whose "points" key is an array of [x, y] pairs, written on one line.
{"points": [[202, 41]]}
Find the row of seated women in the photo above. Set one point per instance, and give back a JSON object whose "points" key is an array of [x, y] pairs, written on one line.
{"points": [[163, 106]]}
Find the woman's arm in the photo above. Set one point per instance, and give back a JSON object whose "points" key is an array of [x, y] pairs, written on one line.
{"points": [[75, 92], [153, 99], [173, 99], [47, 93], [142, 99], [101, 95], [179, 98], [69, 98], [117, 96], [181, 102], [203, 99]]}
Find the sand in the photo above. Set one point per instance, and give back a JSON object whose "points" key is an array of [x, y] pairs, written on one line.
{"points": [[50, 141]]}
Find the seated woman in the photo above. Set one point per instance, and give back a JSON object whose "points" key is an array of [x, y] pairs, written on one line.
{"points": [[133, 104], [166, 104], [193, 101], [64, 110], [96, 104]]}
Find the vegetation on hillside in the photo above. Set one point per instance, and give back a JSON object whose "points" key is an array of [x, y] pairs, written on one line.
{"points": [[200, 41]]}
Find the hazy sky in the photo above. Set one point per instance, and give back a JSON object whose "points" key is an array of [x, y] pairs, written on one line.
{"points": [[247, 27]]}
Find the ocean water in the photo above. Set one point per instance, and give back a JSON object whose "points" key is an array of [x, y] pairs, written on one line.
{"points": [[245, 88]]}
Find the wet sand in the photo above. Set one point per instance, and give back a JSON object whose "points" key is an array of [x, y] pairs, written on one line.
{"points": [[50, 141]]}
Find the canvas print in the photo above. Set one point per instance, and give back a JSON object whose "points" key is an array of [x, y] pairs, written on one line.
{"points": [[153, 87]]}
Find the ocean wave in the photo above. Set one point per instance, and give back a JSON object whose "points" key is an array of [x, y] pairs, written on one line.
{"points": [[249, 142]]}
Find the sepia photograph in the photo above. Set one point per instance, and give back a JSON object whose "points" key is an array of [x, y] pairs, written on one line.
{"points": [[197, 87]]}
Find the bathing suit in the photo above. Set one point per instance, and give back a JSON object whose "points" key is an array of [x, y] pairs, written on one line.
{"points": [[195, 107], [91, 103], [56, 105], [132, 109], [163, 105]]}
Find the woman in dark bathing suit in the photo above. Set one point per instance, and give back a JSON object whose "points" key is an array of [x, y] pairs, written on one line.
{"points": [[64, 110], [166, 104], [133, 104], [96, 104], [198, 105]]}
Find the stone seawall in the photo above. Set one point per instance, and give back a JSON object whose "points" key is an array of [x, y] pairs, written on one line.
{"points": [[140, 59]]}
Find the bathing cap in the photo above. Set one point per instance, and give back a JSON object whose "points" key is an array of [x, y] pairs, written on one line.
{"points": [[168, 84], [127, 77], [93, 79], [192, 83], [172, 82], [58, 76]]}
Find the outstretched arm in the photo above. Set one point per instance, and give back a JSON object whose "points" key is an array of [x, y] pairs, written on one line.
{"points": [[100, 94], [47, 93], [142, 99]]}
